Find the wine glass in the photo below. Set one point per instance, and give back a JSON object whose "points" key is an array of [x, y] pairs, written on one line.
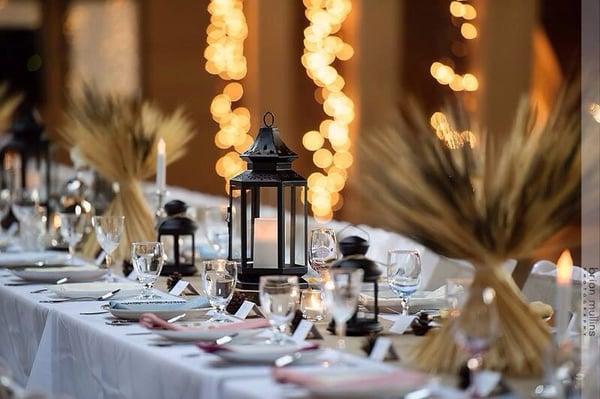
{"points": [[218, 279], [404, 274], [72, 228], [340, 293], [216, 228], [323, 248], [476, 328], [279, 296], [147, 259], [108, 230]]}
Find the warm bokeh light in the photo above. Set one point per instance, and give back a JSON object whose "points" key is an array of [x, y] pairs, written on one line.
{"points": [[564, 267], [321, 48], [468, 30], [450, 136], [595, 111], [225, 58]]}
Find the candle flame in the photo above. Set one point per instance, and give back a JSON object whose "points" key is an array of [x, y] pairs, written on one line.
{"points": [[162, 146], [564, 267]]}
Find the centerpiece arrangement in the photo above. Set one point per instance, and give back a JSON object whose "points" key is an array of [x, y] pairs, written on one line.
{"points": [[118, 137], [498, 199]]}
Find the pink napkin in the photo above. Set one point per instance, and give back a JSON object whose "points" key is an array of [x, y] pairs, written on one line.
{"points": [[400, 379], [152, 321]]}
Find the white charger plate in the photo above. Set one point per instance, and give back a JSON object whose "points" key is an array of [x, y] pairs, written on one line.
{"points": [[205, 334], [52, 274], [96, 289], [259, 352], [134, 315]]}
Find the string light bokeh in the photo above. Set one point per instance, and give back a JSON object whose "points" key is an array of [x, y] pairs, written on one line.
{"points": [[331, 143], [225, 58], [445, 75]]}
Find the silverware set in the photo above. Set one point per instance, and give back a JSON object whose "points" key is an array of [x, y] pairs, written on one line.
{"points": [[104, 297]]}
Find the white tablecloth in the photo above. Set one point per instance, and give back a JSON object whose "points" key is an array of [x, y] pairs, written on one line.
{"points": [[52, 348]]}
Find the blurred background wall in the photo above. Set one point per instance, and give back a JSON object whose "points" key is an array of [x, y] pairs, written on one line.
{"points": [[155, 48]]}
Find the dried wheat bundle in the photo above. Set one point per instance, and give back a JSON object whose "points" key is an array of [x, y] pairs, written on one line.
{"points": [[118, 137], [496, 201], [8, 104]]}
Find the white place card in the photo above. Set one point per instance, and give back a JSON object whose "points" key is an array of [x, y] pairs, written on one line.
{"points": [[245, 310], [304, 327], [401, 324], [100, 258], [380, 349], [179, 287]]}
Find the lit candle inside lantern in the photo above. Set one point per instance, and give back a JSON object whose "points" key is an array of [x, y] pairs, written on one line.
{"points": [[564, 269], [265, 243], [161, 166]]}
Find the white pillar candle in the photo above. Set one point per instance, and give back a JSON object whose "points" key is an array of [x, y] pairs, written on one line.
{"points": [[564, 269], [161, 165], [265, 243]]}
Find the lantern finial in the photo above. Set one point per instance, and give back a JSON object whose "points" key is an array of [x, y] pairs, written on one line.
{"points": [[271, 116]]}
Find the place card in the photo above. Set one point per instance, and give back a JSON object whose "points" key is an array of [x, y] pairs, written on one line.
{"points": [[132, 276], [383, 349], [100, 258], [302, 330], [244, 310], [401, 324], [193, 290], [178, 289]]}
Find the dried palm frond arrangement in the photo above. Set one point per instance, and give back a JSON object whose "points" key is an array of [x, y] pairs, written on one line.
{"points": [[117, 136], [8, 105], [487, 203]]}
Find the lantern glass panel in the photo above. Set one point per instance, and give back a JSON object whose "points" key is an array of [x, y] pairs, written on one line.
{"points": [[236, 226], [168, 246], [295, 234], [185, 249], [301, 244]]}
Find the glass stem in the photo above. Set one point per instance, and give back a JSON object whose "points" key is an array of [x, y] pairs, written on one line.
{"points": [[71, 251], [404, 302], [340, 327], [147, 289], [108, 261]]}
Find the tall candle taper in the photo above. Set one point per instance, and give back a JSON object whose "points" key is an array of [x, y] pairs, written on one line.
{"points": [[564, 269], [161, 171]]}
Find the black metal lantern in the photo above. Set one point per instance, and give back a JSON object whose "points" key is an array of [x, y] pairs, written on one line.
{"points": [[353, 249], [267, 212], [27, 142], [176, 233]]}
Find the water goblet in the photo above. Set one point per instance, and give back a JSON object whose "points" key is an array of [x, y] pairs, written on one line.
{"points": [[323, 248], [108, 230], [72, 228], [216, 229], [279, 296], [340, 293], [147, 259], [218, 279], [404, 274], [475, 328]]}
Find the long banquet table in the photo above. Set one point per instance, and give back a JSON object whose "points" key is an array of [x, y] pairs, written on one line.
{"points": [[54, 349]]}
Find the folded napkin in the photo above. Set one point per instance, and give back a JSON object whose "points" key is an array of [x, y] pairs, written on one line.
{"points": [[30, 258], [149, 307], [210, 347], [355, 381], [152, 321], [418, 301]]}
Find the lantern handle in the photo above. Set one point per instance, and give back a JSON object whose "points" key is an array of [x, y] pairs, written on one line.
{"points": [[272, 117], [350, 225]]}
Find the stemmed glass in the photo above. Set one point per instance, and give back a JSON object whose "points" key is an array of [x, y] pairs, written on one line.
{"points": [[218, 278], [72, 228], [31, 217], [279, 296], [404, 274], [476, 329], [147, 259], [323, 248], [217, 231], [340, 294], [108, 230]]}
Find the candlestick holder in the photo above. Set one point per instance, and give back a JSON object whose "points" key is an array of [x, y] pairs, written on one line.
{"points": [[160, 214]]}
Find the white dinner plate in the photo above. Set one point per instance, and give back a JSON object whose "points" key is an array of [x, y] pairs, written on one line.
{"points": [[52, 274], [97, 289], [190, 314], [258, 352], [205, 334]]}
